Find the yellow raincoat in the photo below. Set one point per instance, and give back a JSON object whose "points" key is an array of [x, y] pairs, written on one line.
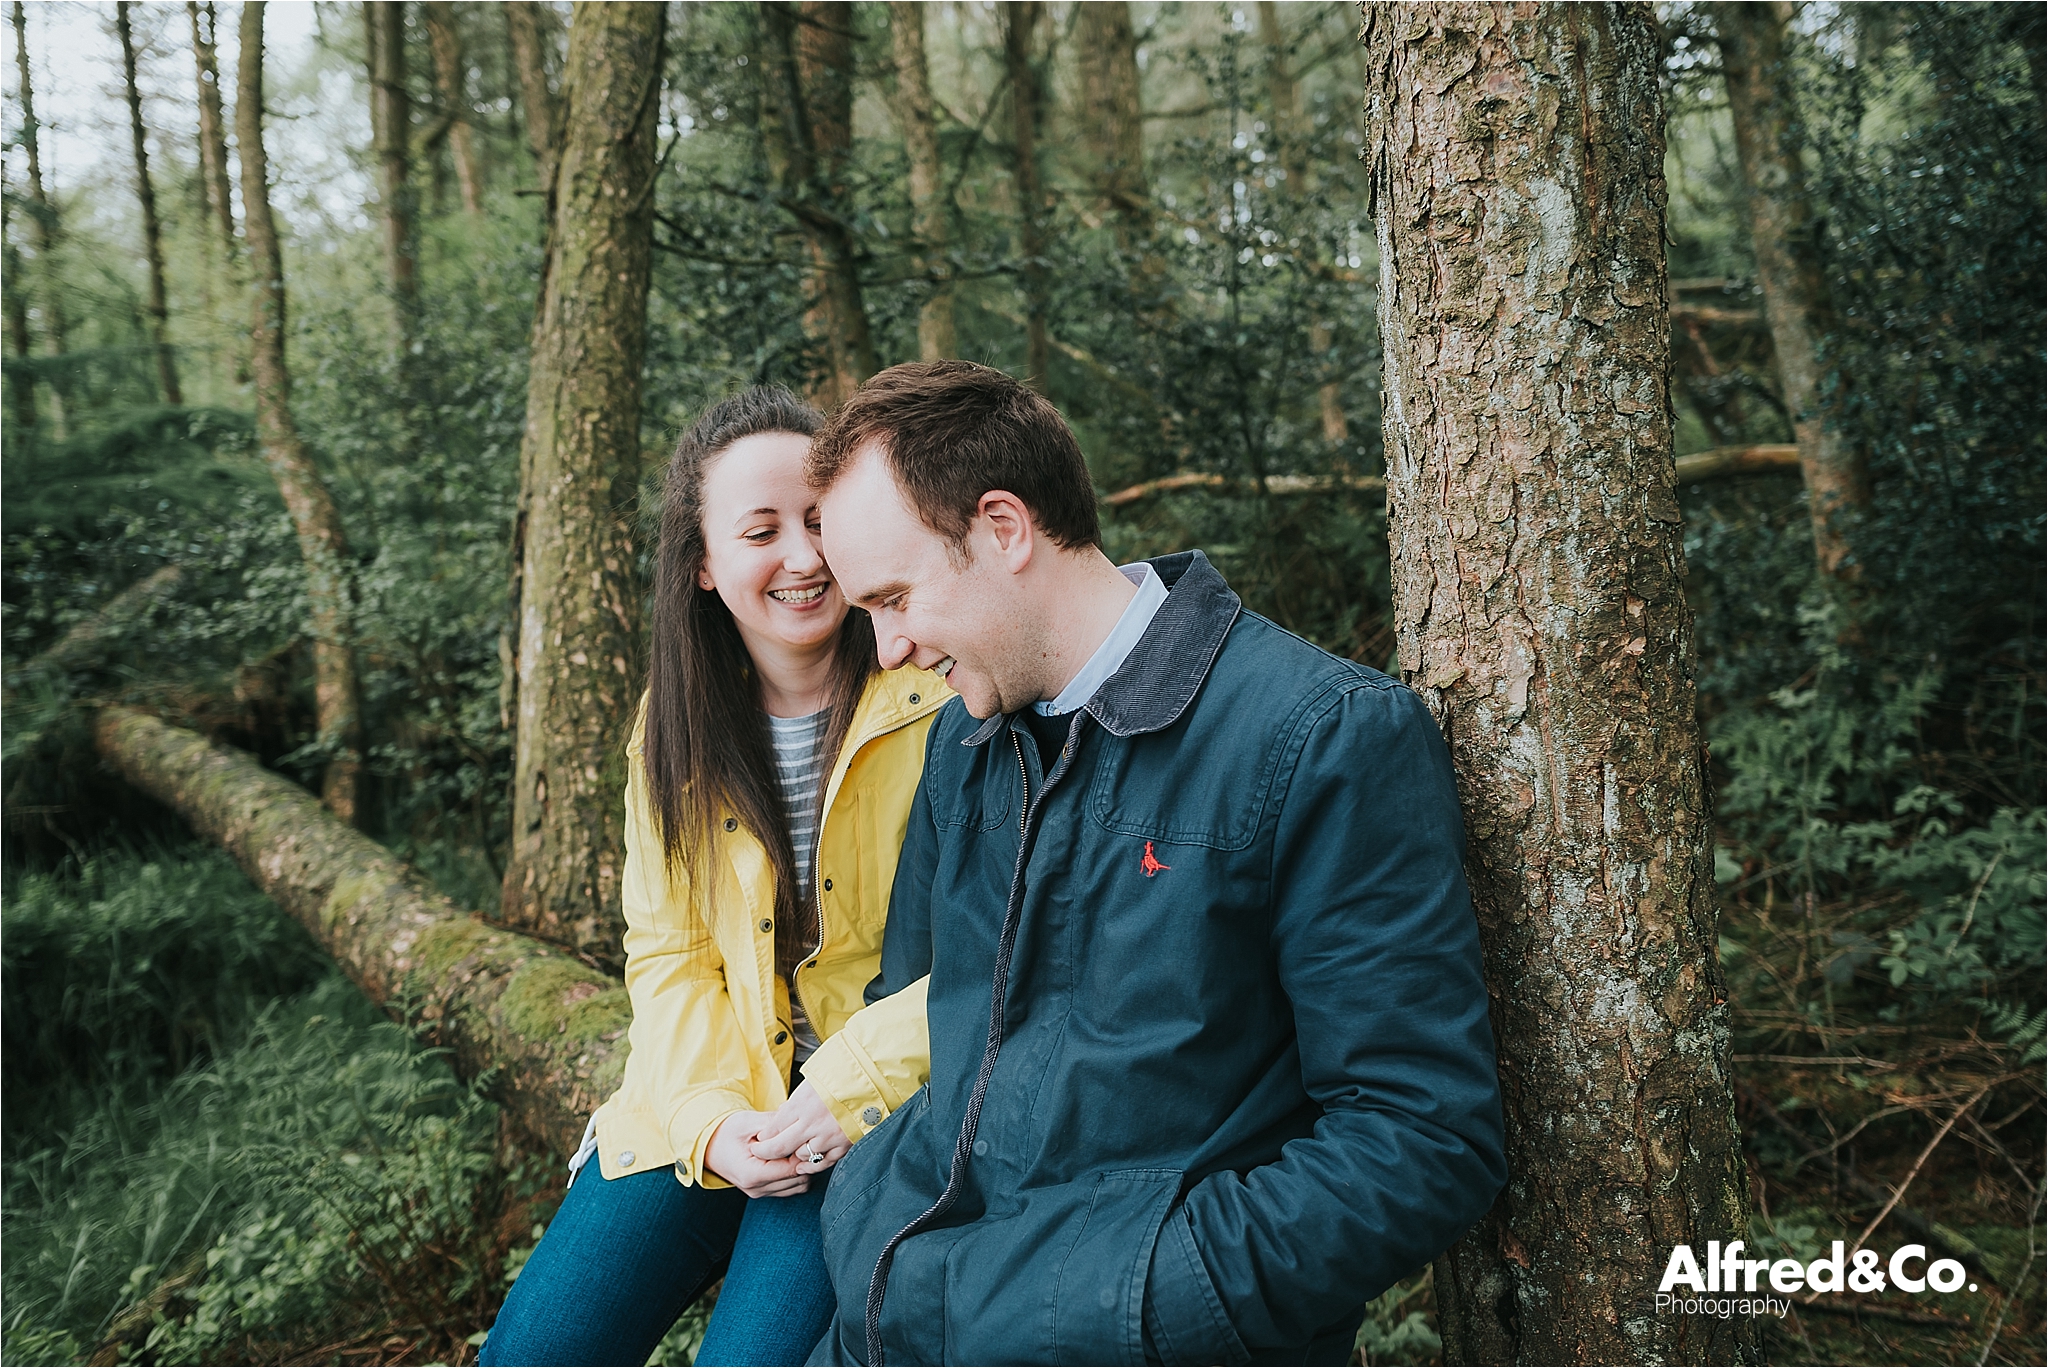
{"points": [[711, 1028]]}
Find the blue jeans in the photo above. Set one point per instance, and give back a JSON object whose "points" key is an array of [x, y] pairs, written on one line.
{"points": [[623, 1259]]}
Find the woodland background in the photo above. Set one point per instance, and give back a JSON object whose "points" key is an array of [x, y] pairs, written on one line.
{"points": [[218, 1149]]}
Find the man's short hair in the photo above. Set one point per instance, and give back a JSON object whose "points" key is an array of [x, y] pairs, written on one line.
{"points": [[951, 431]]}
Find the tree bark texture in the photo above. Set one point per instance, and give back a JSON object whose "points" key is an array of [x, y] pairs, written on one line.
{"points": [[329, 583], [213, 133], [1518, 173], [807, 118], [1020, 28], [451, 78], [531, 32], [1763, 104], [911, 103], [152, 229], [580, 465], [1113, 115], [391, 125], [552, 1026]]}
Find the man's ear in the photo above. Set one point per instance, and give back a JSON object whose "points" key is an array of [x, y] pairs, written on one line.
{"points": [[1010, 527]]}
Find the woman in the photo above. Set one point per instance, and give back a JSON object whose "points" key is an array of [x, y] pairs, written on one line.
{"points": [[768, 784]]}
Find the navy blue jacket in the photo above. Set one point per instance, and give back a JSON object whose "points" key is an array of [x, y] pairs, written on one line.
{"points": [[1240, 1077]]}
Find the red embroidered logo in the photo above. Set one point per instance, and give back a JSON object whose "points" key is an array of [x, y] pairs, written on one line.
{"points": [[1150, 864]]}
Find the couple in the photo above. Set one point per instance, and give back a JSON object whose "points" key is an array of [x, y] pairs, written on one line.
{"points": [[1116, 940]]}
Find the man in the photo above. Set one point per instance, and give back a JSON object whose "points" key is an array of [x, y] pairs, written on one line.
{"points": [[1210, 1061]]}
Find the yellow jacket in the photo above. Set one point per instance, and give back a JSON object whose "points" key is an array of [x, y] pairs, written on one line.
{"points": [[711, 1020]]}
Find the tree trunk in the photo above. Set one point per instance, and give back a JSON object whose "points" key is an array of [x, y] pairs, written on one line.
{"points": [[451, 75], [1020, 25], [152, 230], [912, 105], [1518, 177], [807, 120], [213, 135], [1113, 119], [45, 215], [530, 29], [391, 129], [1290, 136], [1763, 104], [552, 1028], [314, 517], [21, 384], [580, 465]]}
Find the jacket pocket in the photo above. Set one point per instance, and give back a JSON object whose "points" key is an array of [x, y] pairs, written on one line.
{"points": [[1062, 1278], [1183, 1314]]}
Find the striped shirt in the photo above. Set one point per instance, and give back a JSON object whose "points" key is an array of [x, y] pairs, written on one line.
{"points": [[799, 744]]}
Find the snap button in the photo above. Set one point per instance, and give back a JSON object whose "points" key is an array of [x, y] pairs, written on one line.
{"points": [[1108, 1298], [914, 698], [981, 1147], [873, 1116], [732, 824], [767, 924], [781, 1036], [626, 1158], [828, 885]]}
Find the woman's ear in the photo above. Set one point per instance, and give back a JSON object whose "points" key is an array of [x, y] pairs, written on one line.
{"points": [[704, 578]]}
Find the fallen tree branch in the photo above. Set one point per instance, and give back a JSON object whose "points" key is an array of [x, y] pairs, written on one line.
{"points": [[1736, 460], [551, 1026], [82, 647]]}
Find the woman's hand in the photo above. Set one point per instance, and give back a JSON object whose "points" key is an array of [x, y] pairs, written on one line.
{"points": [[730, 1157], [802, 1127]]}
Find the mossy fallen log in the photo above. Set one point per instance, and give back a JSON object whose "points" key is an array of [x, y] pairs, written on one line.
{"points": [[551, 1027]]}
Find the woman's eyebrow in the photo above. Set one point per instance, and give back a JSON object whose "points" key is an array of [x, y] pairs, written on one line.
{"points": [[755, 513]]}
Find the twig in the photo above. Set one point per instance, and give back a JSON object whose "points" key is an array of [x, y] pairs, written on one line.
{"points": [[1939, 1136], [2005, 1302], [1864, 1308]]}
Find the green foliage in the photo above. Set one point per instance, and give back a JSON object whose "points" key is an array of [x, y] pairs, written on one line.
{"points": [[312, 1174]]}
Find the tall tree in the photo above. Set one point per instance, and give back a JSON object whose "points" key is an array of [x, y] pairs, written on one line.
{"points": [[391, 129], [1034, 273], [152, 229], [578, 600], [1113, 123], [21, 382], [451, 78], [1517, 164], [43, 212], [911, 102], [531, 29], [807, 122], [1763, 103], [1290, 130], [213, 133], [329, 584]]}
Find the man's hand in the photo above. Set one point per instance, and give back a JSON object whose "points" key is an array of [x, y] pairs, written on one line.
{"points": [[801, 1127], [729, 1156]]}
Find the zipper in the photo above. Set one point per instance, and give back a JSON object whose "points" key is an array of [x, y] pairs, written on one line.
{"points": [[1006, 942]]}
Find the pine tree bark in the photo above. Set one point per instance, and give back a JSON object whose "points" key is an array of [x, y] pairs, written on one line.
{"points": [[1763, 103], [530, 30], [44, 214], [451, 77], [152, 229], [552, 1028], [580, 462], [391, 129], [807, 123], [1517, 161], [315, 519], [1034, 275], [213, 135], [911, 102], [1113, 122]]}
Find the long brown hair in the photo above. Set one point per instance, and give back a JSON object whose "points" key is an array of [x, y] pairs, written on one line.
{"points": [[707, 742]]}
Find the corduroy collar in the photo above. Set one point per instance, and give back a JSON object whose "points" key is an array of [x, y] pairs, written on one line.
{"points": [[1165, 670]]}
